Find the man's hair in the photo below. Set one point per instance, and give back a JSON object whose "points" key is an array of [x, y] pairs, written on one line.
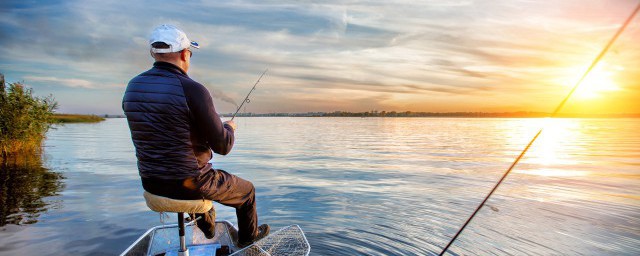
{"points": [[163, 56], [160, 45]]}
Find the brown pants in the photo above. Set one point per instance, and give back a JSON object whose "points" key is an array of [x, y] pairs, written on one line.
{"points": [[230, 190]]}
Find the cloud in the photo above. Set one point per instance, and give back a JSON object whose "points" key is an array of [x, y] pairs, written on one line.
{"points": [[468, 51], [69, 82]]}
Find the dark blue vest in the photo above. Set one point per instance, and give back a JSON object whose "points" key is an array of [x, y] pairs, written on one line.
{"points": [[158, 117]]}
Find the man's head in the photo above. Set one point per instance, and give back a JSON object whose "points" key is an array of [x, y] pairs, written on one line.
{"points": [[170, 44]]}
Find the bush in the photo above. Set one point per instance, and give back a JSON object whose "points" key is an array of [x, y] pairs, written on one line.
{"points": [[24, 119]]}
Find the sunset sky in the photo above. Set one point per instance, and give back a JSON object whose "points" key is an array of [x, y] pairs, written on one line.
{"points": [[437, 56]]}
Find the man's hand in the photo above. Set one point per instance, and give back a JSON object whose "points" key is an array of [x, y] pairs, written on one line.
{"points": [[231, 123]]}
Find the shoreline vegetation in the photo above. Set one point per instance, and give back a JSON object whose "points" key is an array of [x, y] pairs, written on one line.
{"points": [[518, 114], [24, 119], [24, 181], [76, 118]]}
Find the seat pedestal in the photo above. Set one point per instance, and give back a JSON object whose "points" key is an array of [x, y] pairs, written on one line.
{"points": [[183, 245]]}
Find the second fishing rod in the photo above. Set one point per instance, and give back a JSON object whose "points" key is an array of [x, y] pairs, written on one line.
{"points": [[555, 112]]}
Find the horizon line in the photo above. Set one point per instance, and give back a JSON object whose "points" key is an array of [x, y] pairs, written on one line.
{"points": [[383, 113]]}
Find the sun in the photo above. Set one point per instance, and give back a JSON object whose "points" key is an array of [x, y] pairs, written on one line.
{"points": [[600, 80]]}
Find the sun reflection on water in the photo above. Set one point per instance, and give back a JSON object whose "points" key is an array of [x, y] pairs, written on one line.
{"points": [[554, 172], [550, 149], [566, 158]]}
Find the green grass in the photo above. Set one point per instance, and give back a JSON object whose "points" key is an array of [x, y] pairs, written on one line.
{"points": [[74, 118]]}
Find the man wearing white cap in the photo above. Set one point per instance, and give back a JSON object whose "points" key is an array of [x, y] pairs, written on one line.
{"points": [[175, 128]]}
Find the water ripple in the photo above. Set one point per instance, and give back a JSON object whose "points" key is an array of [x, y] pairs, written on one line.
{"points": [[372, 186]]}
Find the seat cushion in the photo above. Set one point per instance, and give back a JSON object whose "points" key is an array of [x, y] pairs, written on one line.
{"points": [[165, 204]]}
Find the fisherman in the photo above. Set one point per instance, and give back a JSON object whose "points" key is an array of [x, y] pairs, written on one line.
{"points": [[175, 127]]}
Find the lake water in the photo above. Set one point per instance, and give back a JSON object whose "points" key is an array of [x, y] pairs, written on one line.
{"points": [[356, 186]]}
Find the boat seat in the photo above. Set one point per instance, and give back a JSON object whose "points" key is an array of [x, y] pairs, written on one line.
{"points": [[164, 204]]}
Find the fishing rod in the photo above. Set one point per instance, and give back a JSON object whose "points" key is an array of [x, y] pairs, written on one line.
{"points": [[555, 112], [246, 99]]}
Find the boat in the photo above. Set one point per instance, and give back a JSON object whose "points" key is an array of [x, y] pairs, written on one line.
{"points": [[163, 240]]}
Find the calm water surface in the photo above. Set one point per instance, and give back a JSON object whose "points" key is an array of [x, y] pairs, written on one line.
{"points": [[358, 186]]}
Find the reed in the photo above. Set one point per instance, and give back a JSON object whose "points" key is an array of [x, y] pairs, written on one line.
{"points": [[24, 119]]}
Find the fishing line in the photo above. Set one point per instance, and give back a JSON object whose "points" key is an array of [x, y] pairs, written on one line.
{"points": [[555, 112], [246, 99]]}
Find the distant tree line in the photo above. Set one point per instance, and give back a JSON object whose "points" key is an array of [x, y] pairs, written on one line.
{"points": [[435, 114], [519, 114]]}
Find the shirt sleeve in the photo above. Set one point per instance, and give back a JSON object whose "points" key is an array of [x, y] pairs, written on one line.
{"points": [[218, 136]]}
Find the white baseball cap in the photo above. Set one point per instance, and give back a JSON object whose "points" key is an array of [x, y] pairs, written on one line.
{"points": [[171, 35]]}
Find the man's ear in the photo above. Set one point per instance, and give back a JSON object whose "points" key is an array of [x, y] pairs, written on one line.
{"points": [[183, 55]]}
